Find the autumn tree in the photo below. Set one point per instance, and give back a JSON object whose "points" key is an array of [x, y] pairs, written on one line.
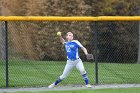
{"points": [[40, 38]]}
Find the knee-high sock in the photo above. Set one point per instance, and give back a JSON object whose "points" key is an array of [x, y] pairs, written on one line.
{"points": [[85, 77], [57, 81]]}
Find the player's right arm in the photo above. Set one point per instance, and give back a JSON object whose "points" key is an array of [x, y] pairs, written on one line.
{"points": [[61, 38]]}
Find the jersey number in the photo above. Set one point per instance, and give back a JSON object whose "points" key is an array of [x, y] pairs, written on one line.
{"points": [[68, 49]]}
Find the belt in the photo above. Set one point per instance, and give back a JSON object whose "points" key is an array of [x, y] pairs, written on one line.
{"points": [[73, 59]]}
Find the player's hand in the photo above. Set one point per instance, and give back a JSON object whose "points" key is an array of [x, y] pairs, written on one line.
{"points": [[59, 33], [89, 56]]}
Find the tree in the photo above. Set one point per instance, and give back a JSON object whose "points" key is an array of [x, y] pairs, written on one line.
{"points": [[41, 35]]}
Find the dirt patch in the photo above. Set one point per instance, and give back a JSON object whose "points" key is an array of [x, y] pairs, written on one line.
{"points": [[69, 87]]}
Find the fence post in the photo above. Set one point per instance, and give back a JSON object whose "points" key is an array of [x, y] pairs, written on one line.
{"points": [[6, 52], [138, 61], [96, 51], [94, 29]]}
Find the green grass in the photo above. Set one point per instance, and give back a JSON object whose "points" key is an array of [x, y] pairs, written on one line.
{"points": [[119, 90], [42, 73], [119, 73]]}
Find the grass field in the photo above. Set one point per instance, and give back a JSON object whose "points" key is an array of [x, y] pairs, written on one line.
{"points": [[42, 73], [118, 90]]}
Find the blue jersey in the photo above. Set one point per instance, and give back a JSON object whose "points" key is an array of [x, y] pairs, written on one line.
{"points": [[72, 49]]}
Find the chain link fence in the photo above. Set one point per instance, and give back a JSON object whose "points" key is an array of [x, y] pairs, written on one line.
{"points": [[118, 44], [37, 58], [2, 54]]}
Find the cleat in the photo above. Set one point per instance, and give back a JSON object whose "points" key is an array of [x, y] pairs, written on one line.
{"points": [[88, 86], [51, 86]]}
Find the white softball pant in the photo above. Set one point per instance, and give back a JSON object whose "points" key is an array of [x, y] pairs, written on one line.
{"points": [[70, 64]]}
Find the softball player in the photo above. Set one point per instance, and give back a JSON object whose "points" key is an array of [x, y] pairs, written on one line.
{"points": [[73, 59]]}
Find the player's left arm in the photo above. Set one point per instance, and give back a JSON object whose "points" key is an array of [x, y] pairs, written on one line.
{"points": [[89, 56], [84, 50], [82, 47]]}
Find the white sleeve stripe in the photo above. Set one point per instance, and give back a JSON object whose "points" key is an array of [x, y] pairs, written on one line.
{"points": [[78, 43]]}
